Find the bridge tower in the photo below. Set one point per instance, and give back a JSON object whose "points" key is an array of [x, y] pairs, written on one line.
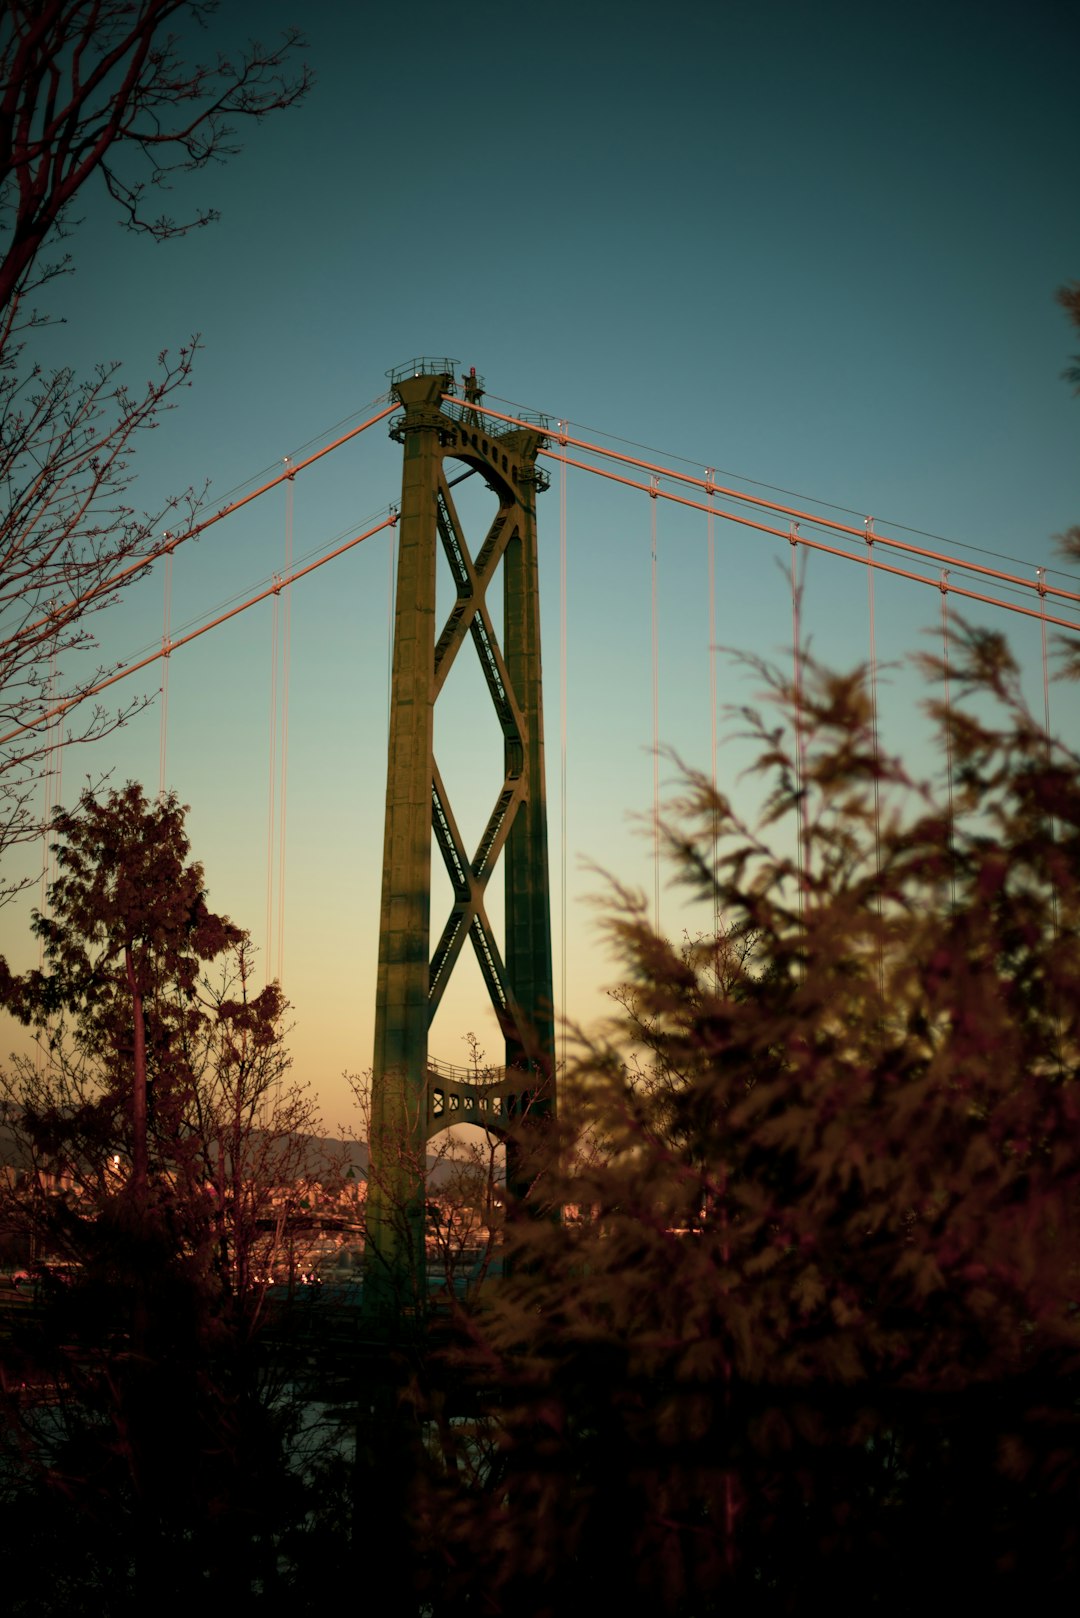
{"points": [[414, 1096]]}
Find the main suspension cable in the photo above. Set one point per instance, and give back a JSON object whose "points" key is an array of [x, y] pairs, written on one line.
{"points": [[48, 714], [836, 550], [791, 512], [775, 488], [55, 620]]}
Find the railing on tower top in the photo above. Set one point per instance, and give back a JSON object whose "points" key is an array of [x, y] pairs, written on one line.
{"points": [[425, 365], [471, 413]]}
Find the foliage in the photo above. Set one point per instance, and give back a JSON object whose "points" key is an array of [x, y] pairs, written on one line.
{"points": [[125, 1005], [127, 930], [1069, 298], [138, 1391], [808, 1329]]}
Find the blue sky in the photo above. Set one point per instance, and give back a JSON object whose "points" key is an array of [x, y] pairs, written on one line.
{"points": [[813, 246]]}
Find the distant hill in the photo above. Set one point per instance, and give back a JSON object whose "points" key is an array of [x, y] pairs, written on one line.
{"points": [[322, 1156]]}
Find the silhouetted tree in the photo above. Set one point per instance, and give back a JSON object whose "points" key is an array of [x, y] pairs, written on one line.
{"points": [[156, 1134], [807, 1333], [1069, 298], [125, 937]]}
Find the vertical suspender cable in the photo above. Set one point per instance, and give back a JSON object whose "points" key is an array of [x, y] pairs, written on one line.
{"points": [[796, 691], [166, 629], [710, 520], [1041, 575], [54, 756], [944, 587], [391, 610], [1051, 822], [654, 490], [869, 524], [286, 621], [562, 751], [279, 718], [54, 767], [51, 795], [272, 789], [46, 819], [58, 780], [869, 527]]}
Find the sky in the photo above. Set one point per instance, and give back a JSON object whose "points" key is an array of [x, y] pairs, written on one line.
{"points": [[813, 247]]}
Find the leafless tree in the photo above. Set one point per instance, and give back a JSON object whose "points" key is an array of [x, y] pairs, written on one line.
{"points": [[101, 87], [91, 88], [251, 1130]]}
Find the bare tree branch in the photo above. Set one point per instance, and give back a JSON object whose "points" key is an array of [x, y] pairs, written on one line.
{"points": [[90, 87], [101, 86]]}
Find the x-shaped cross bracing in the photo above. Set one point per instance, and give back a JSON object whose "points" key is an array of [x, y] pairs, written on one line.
{"points": [[469, 878]]}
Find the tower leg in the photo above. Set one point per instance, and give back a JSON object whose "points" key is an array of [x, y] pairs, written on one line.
{"points": [[527, 896], [394, 1266]]}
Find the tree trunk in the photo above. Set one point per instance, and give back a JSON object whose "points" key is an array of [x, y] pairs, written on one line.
{"points": [[139, 1149]]}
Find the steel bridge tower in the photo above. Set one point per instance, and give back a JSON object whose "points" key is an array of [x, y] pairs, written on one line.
{"points": [[413, 1096]]}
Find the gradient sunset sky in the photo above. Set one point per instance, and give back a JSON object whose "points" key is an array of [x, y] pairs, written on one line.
{"points": [[814, 247]]}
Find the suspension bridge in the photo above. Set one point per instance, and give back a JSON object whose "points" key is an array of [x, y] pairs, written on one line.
{"points": [[500, 508]]}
